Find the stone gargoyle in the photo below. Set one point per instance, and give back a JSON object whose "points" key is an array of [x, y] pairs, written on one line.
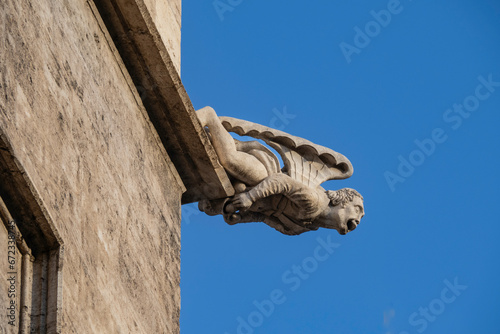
{"points": [[289, 199]]}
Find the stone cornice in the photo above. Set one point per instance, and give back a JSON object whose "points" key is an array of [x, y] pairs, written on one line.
{"points": [[153, 72]]}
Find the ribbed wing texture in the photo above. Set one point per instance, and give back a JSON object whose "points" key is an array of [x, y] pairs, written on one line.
{"points": [[304, 161]]}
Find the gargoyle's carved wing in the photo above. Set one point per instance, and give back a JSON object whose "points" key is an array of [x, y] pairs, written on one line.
{"points": [[304, 161]]}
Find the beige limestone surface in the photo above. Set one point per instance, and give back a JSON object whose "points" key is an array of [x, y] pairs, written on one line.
{"points": [[75, 123]]}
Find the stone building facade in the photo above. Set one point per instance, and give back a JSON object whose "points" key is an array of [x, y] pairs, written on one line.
{"points": [[99, 147]]}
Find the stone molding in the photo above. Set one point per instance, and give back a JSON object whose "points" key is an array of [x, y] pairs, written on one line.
{"points": [[154, 74]]}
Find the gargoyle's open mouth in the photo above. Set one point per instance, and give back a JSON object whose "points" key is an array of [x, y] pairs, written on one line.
{"points": [[352, 224]]}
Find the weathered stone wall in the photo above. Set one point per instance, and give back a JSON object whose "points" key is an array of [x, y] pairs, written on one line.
{"points": [[77, 126]]}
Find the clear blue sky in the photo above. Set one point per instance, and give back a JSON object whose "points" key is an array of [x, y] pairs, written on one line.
{"points": [[414, 103]]}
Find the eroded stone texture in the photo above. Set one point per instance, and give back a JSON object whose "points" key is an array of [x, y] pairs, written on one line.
{"points": [[77, 126]]}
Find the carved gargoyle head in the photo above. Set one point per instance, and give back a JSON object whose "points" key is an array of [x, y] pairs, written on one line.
{"points": [[345, 211]]}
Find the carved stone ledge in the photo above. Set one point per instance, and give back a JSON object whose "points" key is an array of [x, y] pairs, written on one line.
{"points": [[153, 72]]}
